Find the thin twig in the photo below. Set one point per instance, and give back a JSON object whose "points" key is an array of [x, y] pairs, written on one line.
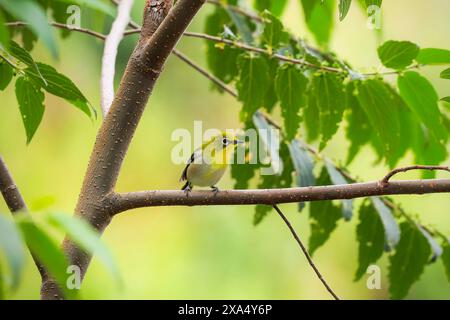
{"points": [[385, 180], [112, 42], [305, 252]]}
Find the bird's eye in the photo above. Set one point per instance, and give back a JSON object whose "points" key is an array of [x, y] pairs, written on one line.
{"points": [[224, 141]]}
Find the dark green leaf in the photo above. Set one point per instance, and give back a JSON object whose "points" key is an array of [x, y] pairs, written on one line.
{"points": [[12, 248], [338, 179], [31, 105], [85, 236], [421, 98], [24, 57], [273, 33], [445, 74], [344, 7], [61, 86], [48, 253], [311, 117], [398, 54], [253, 83], [328, 93], [434, 245], [319, 16], [446, 259], [370, 236], [391, 229], [324, 216], [376, 100], [433, 56], [241, 25], [408, 262], [6, 74], [290, 85], [31, 13]]}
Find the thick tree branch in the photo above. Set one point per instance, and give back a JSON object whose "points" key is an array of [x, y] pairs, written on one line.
{"points": [[112, 42], [126, 201], [305, 252], [15, 202], [117, 130]]}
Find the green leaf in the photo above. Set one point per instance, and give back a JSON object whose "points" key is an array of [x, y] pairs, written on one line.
{"points": [[33, 14], [433, 56], [434, 245], [97, 5], [328, 93], [338, 179], [275, 6], [4, 32], [391, 229], [369, 3], [344, 7], [446, 259], [242, 26], [12, 248], [421, 98], [446, 99], [324, 216], [359, 130], [31, 105], [24, 57], [376, 100], [47, 252], [273, 33], [6, 74], [253, 83], [290, 86], [398, 54], [408, 262], [319, 17], [311, 117], [445, 74], [86, 237], [370, 236], [61, 86]]}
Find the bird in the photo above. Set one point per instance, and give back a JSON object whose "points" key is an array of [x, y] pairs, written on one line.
{"points": [[207, 164]]}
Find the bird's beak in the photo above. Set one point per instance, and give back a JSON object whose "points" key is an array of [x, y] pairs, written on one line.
{"points": [[238, 141]]}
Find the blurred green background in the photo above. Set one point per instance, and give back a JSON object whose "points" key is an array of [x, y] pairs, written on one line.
{"points": [[210, 252]]}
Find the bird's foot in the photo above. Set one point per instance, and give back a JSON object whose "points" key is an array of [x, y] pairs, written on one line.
{"points": [[187, 190], [215, 189]]}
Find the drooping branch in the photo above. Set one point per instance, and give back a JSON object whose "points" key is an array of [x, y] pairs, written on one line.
{"points": [[15, 202], [112, 42], [305, 252], [117, 130], [126, 201]]}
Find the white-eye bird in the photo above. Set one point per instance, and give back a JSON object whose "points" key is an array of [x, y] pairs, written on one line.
{"points": [[207, 164]]}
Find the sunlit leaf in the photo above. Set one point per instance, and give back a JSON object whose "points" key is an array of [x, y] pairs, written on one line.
{"points": [[319, 17], [445, 74], [344, 7], [398, 54], [433, 56]]}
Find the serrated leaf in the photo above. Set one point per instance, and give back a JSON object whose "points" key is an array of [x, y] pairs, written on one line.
{"points": [[329, 98], [344, 7], [290, 86], [47, 252], [446, 259], [34, 15], [370, 236], [435, 247], [24, 57], [241, 25], [273, 34], [87, 238], [61, 86], [421, 97], [432, 56], [408, 262], [6, 74], [12, 248], [252, 84], [391, 229], [445, 74], [324, 216], [338, 179], [311, 117], [376, 100], [398, 54], [31, 105], [303, 165]]}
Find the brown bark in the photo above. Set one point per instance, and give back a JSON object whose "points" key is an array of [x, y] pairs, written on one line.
{"points": [[117, 130]]}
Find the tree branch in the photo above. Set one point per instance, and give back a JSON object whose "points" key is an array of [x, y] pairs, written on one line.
{"points": [[126, 201], [112, 42], [117, 130], [385, 180], [305, 251]]}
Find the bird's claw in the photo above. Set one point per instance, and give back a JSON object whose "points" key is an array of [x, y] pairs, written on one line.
{"points": [[215, 189], [187, 190]]}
